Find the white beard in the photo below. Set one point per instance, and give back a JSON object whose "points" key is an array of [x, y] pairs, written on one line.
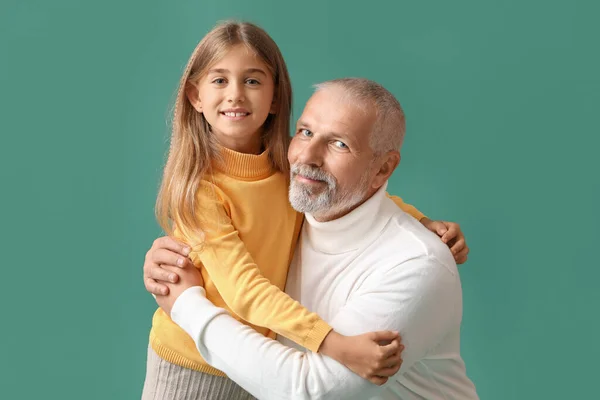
{"points": [[328, 201]]}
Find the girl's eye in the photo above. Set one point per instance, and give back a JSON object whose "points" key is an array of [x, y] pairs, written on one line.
{"points": [[252, 81], [305, 132], [340, 145], [219, 81]]}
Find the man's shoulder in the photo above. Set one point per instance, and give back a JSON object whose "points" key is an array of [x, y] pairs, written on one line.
{"points": [[404, 239]]}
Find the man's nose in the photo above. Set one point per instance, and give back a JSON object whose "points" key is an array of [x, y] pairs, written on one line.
{"points": [[312, 153]]}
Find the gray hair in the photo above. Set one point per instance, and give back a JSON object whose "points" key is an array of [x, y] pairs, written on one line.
{"points": [[390, 125]]}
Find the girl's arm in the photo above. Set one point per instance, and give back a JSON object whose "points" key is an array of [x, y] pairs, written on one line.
{"points": [[407, 208], [253, 298]]}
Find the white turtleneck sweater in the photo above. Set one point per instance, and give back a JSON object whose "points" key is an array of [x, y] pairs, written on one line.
{"points": [[375, 268]]}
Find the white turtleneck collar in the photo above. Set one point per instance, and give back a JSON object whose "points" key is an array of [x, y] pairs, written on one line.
{"points": [[348, 233]]}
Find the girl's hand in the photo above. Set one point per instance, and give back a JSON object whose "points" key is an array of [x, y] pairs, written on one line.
{"points": [[452, 235], [374, 356]]}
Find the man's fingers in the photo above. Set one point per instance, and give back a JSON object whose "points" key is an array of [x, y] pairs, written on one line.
{"points": [[155, 288], [168, 257], [158, 273], [186, 275], [175, 270], [167, 242]]}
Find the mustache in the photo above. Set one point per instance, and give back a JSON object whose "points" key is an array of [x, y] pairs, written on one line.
{"points": [[313, 173]]}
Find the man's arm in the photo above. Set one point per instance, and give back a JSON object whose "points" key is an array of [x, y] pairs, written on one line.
{"points": [[418, 298]]}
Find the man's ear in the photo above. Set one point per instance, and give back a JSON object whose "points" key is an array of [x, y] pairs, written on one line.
{"points": [[193, 95], [387, 164]]}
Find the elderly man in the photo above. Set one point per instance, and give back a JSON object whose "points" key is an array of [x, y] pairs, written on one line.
{"points": [[361, 263]]}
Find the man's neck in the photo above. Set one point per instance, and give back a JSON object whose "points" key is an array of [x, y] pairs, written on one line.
{"points": [[362, 224]]}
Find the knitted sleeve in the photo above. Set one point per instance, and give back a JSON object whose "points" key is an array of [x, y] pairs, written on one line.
{"points": [[238, 279]]}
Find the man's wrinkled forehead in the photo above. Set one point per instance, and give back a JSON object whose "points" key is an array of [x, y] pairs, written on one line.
{"points": [[330, 109]]}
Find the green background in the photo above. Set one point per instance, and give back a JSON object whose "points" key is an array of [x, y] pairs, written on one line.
{"points": [[502, 102]]}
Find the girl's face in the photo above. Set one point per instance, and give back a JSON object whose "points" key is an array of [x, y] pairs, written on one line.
{"points": [[236, 96]]}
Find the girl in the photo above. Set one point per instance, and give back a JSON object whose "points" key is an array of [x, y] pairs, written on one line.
{"points": [[224, 192]]}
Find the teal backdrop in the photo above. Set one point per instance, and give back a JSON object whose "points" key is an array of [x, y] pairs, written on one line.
{"points": [[502, 100]]}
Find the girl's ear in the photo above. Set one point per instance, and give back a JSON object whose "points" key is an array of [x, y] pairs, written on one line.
{"points": [[273, 109], [193, 95]]}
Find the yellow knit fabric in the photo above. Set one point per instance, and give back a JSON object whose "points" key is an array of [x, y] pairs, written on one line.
{"points": [[250, 232]]}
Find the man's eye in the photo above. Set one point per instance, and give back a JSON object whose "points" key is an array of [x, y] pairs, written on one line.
{"points": [[306, 132], [340, 145]]}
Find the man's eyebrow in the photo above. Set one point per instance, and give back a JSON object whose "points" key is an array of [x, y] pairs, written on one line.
{"points": [[303, 123], [344, 138]]}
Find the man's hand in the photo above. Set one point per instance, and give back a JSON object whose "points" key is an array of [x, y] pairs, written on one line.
{"points": [[374, 356], [450, 234], [165, 251], [188, 277]]}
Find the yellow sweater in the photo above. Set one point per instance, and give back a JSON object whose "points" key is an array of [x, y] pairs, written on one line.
{"points": [[250, 232]]}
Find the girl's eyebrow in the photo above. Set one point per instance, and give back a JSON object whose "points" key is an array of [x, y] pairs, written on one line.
{"points": [[248, 71], [256, 70]]}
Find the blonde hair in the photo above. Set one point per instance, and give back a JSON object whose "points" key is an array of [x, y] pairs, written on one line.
{"points": [[390, 124], [193, 147]]}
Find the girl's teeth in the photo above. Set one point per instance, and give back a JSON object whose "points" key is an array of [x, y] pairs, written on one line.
{"points": [[232, 114]]}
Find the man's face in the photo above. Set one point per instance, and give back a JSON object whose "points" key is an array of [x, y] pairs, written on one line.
{"points": [[330, 156]]}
